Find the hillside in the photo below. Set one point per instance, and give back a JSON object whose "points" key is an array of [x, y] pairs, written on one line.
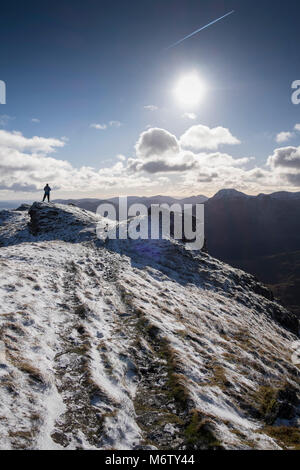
{"points": [[259, 234], [281, 272], [136, 344]]}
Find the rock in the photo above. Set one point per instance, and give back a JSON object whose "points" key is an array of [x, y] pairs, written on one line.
{"points": [[23, 208], [62, 222]]}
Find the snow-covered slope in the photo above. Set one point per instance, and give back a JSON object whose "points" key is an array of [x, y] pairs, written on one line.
{"points": [[136, 344]]}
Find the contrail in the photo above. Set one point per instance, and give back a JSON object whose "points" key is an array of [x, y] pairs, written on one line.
{"points": [[198, 30]]}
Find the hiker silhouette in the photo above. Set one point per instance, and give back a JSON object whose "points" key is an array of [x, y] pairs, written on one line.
{"points": [[47, 190]]}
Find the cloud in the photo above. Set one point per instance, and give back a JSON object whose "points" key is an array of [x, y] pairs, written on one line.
{"points": [[115, 123], [191, 116], [161, 166], [25, 165], [103, 127], [151, 107], [293, 178], [17, 141], [4, 119], [202, 137], [155, 142], [159, 151], [159, 162], [36, 120], [285, 157], [285, 161], [204, 177], [284, 137], [100, 127]]}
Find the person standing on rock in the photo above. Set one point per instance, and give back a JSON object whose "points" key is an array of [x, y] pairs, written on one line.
{"points": [[47, 190]]}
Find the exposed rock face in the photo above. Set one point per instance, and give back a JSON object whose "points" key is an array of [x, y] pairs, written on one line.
{"points": [[136, 344], [63, 222]]}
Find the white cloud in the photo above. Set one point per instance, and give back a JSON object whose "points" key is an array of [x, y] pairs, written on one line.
{"points": [[115, 123], [100, 127], [34, 144], [155, 142], [159, 151], [151, 107], [297, 127], [36, 120], [202, 137], [283, 137], [103, 127], [159, 164], [191, 116], [25, 167]]}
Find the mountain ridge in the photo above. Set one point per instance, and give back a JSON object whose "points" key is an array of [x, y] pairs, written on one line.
{"points": [[136, 344]]}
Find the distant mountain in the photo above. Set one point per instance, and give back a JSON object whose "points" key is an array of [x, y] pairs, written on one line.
{"points": [[250, 231], [283, 195], [92, 204], [229, 194]]}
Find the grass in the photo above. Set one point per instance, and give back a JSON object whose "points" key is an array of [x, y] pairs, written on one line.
{"points": [[243, 338], [288, 437], [23, 366], [199, 431], [219, 377], [176, 381], [266, 402]]}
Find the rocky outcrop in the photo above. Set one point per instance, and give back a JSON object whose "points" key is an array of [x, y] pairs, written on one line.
{"points": [[23, 208], [67, 223]]}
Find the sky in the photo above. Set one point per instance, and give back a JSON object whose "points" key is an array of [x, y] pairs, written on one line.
{"points": [[98, 104]]}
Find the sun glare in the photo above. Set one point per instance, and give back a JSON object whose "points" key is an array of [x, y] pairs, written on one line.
{"points": [[189, 90]]}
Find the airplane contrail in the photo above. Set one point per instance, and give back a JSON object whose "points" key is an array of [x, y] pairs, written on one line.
{"points": [[200, 29]]}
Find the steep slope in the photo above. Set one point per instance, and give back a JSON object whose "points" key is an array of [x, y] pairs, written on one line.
{"points": [[136, 344]]}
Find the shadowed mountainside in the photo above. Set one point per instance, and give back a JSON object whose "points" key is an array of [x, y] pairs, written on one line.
{"points": [[260, 235]]}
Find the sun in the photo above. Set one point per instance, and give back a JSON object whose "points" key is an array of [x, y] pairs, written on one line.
{"points": [[189, 90]]}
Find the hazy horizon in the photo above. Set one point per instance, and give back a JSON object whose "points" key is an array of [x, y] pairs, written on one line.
{"points": [[29, 201]]}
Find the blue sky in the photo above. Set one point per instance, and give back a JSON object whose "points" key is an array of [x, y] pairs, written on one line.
{"points": [[70, 64]]}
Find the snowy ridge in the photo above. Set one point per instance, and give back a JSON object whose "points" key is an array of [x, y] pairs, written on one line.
{"points": [[135, 344]]}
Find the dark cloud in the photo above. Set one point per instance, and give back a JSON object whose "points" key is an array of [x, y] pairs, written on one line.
{"points": [[26, 188], [207, 178], [285, 157], [159, 166], [294, 179]]}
